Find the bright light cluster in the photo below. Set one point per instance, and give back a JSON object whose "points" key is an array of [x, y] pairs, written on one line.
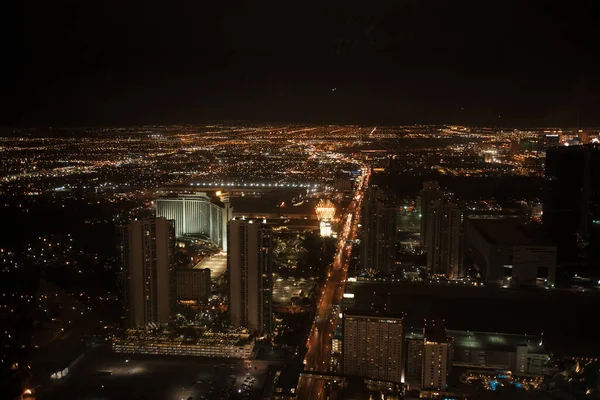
{"points": [[325, 210]]}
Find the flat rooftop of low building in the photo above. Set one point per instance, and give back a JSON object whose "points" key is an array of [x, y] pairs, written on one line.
{"points": [[271, 205], [190, 195], [496, 341], [487, 341], [383, 317], [186, 336], [294, 224], [289, 377], [217, 265], [507, 232], [435, 331]]}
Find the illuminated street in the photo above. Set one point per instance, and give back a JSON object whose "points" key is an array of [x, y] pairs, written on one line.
{"points": [[319, 340]]}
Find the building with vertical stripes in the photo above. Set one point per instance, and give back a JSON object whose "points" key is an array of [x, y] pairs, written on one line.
{"points": [[249, 262], [444, 238], [196, 214], [146, 248]]}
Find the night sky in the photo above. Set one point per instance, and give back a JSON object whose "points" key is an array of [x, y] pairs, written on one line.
{"points": [[503, 63]]}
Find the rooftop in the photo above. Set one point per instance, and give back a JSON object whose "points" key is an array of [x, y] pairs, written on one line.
{"points": [[288, 377], [186, 336], [487, 341], [374, 317], [217, 265], [503, 232], [281, 205], [496, 341], [435, 331]]}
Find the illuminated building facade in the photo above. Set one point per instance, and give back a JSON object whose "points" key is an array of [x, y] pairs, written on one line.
{"points": [[436, 357], [146, 249], [195, 214], [325, 212], [250, 275], [221, 345], [372, 347]]}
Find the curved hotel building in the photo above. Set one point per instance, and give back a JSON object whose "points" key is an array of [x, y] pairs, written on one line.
{"points": [[195, 214]]}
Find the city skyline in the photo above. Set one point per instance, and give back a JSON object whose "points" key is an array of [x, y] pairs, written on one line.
{"points": [[300, 201]]}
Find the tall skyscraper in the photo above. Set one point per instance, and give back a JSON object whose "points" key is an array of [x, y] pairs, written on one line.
{"points": [[195, 214], [444, 238], [250, 275], [378, 253], [413, 375], [372, 347], [571, 203], [436, 356], [431, 191], [146, 248]]}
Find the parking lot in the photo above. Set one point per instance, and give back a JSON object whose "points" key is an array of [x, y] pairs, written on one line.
{"points": [[103, 374]]}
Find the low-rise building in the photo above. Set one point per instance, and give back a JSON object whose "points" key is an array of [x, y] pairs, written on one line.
{"points": [[192, 284], [285, 383], [521, 354], [204, 344], [507, 253]]}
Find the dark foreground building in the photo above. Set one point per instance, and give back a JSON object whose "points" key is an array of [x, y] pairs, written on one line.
{"points": [[572, 202]]}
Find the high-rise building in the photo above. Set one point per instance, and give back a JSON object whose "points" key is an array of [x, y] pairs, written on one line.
{"points": [[436, 356], [146, 248], [413, 374], [571, 203], [372, 347], [196, 214], [192, 284], [444, 238], [250, 275], [431, 191], [378, 253]]}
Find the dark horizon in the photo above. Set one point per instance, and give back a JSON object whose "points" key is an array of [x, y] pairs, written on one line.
{"points": [[506, 64]]}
